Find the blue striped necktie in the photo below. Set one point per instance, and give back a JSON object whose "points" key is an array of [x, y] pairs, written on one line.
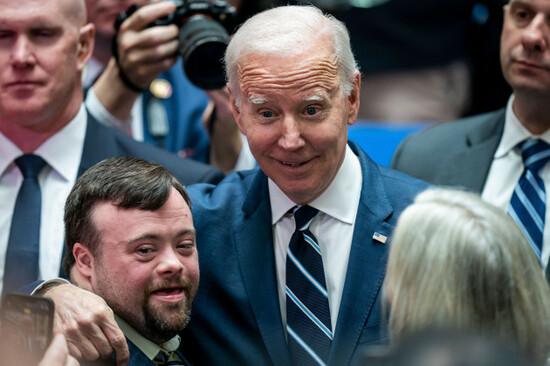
{"points": [[24, 241], [308, 317], [528, 203]]}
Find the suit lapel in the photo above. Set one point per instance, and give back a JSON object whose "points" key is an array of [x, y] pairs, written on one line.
{"points": [[255, 252], [367, 262], [470, 166], [97, 145]]}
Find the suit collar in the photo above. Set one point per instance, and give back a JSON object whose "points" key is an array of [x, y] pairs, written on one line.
{"points": [[481, 142], [254, 243], [367, 263], [99, 144]]}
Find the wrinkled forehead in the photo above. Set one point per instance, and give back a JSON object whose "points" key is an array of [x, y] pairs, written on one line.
{"points": [[314, 73]]}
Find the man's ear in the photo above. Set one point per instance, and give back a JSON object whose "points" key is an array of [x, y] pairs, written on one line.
{"points": [[353, 100], [83, 271], [85, 45], [236, 110]]}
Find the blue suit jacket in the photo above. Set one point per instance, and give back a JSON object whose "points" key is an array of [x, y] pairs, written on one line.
{"points": [[236, 318]]}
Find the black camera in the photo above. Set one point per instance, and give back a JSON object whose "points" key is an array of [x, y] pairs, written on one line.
{"points": [[203, 37]]}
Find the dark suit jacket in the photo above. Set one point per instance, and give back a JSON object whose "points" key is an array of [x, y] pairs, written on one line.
{"points": [[457, 153], [236, 318], [102, 142]]}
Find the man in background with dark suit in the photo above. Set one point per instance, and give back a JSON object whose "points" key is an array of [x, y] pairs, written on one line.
{"points": [[46, 137], [484, 153], [294, 89]]}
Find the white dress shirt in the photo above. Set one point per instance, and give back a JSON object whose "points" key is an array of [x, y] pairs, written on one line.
{"points": [[62, 153], [333, 228], [507, 168]]}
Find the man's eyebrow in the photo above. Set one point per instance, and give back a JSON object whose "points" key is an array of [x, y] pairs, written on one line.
{"points": [[157, 237], [315, 98], [257, 100]]}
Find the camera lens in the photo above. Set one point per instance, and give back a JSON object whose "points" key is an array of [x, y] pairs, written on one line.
{"points": [[202, 44]]}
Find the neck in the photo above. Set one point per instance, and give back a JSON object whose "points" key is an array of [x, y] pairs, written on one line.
{"points": [[532, 112], [30, 131]]}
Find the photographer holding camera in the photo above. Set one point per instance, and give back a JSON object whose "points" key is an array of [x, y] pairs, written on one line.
{"points": [[144, 90]]}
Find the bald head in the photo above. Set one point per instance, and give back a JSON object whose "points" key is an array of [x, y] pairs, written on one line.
{"points": [[39, 36], [74, 11]]}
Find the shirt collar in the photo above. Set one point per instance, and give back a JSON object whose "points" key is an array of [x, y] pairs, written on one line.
{"points": [[8, 153], [62, 151], [334, 201], [514, 132], [145, 345]]}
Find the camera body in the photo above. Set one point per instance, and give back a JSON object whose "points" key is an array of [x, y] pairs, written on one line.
{"points": [[203, 38]]}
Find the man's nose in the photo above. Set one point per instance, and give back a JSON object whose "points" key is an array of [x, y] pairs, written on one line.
{"points": [[22, 54], [291, 134], [169, 261], [535, 35]]}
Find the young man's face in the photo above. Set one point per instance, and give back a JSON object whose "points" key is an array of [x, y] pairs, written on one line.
{"points": [[525, 48], [147, 267]]}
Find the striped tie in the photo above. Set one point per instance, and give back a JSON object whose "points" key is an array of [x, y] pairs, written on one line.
{"points": [[308, 316], [528, 203]]}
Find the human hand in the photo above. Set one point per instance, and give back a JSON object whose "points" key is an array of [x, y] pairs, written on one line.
{"points": [[225, 137], [144, 52], [220, 104], [88, 324]]}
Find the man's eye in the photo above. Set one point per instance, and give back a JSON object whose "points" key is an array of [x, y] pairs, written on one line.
{"points": [[310, 111], [187, 245], [522, 16], [42, 33], [5, 34], [267, 114], [144, 250]]}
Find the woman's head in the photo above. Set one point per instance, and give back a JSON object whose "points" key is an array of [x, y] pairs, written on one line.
{"points": [[459, 262]]}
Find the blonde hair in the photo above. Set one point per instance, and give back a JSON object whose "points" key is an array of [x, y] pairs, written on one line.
{"points": [[458, 262]]}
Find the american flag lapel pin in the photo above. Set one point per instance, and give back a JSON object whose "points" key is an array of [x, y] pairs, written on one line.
{"points": [[379, 237]]}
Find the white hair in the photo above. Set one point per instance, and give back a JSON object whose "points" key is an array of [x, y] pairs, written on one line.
{"points": [[289, 30], [461, 263]]}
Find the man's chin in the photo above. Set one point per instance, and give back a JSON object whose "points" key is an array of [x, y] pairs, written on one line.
{"points": [[164, 321]]}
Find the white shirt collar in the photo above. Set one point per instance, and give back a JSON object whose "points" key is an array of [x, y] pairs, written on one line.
{"points": [[334, 201], [62, 151], [514, 132], [148, 347], [8, 153]]}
